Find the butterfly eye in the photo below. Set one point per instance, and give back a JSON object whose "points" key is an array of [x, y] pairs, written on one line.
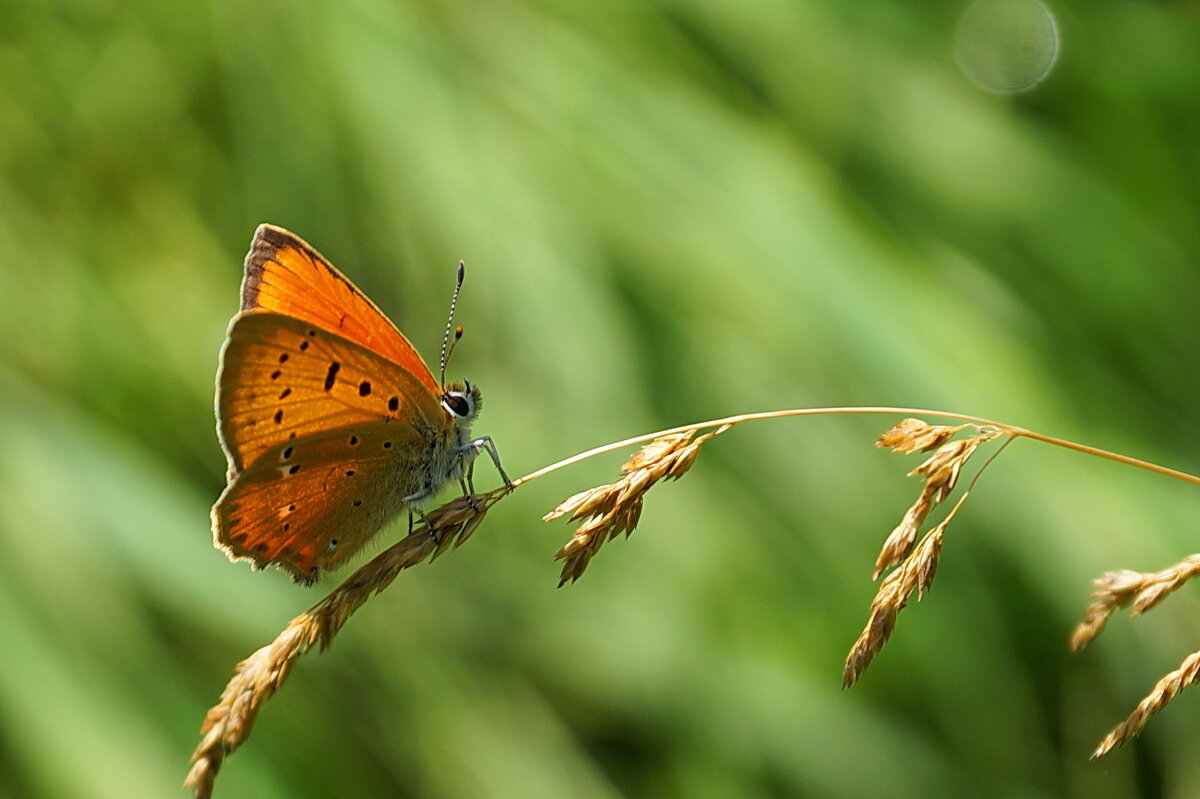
{"points": [[457, 404]]}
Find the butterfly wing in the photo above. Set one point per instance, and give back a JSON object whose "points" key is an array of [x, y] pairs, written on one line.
{"points": [[285, 275], [309, 505], [283, 378], [325, 439]]}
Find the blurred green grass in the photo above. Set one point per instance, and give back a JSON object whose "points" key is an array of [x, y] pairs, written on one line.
{"points": [[670, 211]]}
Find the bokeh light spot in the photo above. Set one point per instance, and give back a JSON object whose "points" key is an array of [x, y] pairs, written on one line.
{"points": [[1006, 46]]}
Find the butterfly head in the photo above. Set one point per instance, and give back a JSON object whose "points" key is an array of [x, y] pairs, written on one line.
{"points": [[462, 401]]}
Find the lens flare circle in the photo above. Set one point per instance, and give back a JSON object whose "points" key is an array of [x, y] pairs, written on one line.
{"points": [[1006, 46]]}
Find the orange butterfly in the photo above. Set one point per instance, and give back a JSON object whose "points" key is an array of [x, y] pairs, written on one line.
{"points": [[331, 421]]}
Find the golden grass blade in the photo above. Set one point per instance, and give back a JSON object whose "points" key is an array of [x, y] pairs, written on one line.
{"points": [[1164, 691]]}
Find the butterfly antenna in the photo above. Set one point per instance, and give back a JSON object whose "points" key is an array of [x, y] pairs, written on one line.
{"points": [[447, 346]]}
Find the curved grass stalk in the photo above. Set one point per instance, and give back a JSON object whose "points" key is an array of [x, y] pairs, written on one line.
{"points": [[615, 508], [1010, 429]]}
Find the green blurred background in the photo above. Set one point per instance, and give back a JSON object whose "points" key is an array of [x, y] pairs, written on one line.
{"points": [[670, 211]]}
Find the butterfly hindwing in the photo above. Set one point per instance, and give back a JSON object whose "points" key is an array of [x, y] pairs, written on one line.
{"points": [[283, 379], [310, 504], [284, 274]]}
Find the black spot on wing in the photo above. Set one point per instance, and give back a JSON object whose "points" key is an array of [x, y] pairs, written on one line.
{"points": [[394, 404], [331, 375], [364, 388]]}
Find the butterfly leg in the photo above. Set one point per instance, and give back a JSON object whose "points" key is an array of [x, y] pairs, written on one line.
{"points": [[467, 480], [424, 520], [486, 443]]}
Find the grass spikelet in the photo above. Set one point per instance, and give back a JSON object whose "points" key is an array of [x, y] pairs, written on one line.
{"points": [[1114, 590], [1164, 691], [911, 435], [899, 542], [917, 566], [1162, 584], [228, 723], [1117, 589], [914, 574], [940, 472], [941, 469], [1142, 590], [616, 507]]}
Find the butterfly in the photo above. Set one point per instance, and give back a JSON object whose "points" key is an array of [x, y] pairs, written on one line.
{"points": [[331, 422]]}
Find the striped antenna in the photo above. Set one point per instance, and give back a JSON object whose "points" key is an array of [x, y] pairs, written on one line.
{"points": [[447, 347]]}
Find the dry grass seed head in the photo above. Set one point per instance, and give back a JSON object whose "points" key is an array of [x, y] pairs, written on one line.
{"points": [[614, 508], [228, 723], [916, 566], [915, 573], [940, 472], [1120, 588], [1164, 691], [255, 679]]}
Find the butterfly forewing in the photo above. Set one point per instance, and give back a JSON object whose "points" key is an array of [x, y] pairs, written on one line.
{"points": [[310, 504], [283, 379], [286, 275]]}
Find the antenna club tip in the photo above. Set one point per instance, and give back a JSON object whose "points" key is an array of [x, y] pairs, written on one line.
{"points": [[462, 270]]}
